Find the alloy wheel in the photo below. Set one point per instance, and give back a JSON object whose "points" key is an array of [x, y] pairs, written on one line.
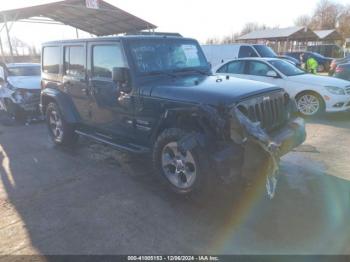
{"points": [[308, 104], [179, 168], [55, 124]]}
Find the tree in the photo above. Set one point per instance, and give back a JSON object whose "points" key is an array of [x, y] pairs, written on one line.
{"points": [[303, 20], [212, 41], [229, 39], [344, 22], [251, 26], [18, 46], [325, 15]]}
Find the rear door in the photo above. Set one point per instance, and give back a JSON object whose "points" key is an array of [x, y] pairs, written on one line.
{"points": [[234, 68], [75, 78]]}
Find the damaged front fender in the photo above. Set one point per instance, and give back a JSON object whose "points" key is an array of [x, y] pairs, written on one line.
{"points": [[238, 146], [266, 149]]}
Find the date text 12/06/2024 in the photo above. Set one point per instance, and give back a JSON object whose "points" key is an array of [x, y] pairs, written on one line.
{"points": [[173, 258]]}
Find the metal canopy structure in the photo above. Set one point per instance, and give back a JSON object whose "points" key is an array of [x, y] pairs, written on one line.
{"points": [[298, 33], [329, 35], [291, 38], [98, 17]]}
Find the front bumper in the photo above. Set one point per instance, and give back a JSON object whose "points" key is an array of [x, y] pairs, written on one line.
{"points": [[30, 107], [289, 137], [338, 103], [28, 104], [233, 157]]}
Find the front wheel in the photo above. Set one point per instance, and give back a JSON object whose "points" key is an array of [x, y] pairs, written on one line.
{"points": [[60, 131], [310, 104], [182, 172]]}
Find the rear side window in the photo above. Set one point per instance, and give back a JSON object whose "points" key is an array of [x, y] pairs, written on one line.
{"points": [[51, 60], [105, 58], [247, 51], [74, 61], [236, 67]]}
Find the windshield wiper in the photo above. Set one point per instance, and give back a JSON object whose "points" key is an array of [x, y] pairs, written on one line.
{"points": [[154, 73], [192, 70]]}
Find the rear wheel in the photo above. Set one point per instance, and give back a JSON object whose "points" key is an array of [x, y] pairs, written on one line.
{"points": [[310, 104], [60, 131], [321, 68]]}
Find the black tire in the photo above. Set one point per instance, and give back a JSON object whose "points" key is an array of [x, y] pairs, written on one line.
{"points": [[200, 182], [321, 107], [66, 136]]}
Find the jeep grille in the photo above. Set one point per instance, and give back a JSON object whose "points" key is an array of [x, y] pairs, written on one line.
{"points": [[270, 110]]}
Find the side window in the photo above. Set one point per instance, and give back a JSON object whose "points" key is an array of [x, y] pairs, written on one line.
{"points": [[51, 60], [74, 61], [236, 67], [105, 58], [222, 69], [247, 51], [257, 68]]}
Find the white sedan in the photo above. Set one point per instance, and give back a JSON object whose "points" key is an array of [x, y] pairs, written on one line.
{"points": [[313, 94]]}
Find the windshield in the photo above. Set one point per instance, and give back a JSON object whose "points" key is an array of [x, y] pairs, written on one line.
{"points": [[287, 68], [159, 55], [317, 55], [265, 51], [24, 71]]}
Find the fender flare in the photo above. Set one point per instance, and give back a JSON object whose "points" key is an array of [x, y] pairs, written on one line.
{"points": [[64, 102], [206, 117]]}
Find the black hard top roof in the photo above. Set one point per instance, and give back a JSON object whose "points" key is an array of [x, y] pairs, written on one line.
{"points": [[116, 38]]}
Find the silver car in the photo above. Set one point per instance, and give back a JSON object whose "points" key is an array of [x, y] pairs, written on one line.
{"points": [[20, 89]]}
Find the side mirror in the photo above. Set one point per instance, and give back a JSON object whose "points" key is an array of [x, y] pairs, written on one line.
{"points": [[121, 76], [272, 73]]}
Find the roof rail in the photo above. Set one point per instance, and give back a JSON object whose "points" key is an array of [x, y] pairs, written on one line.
{"points": [[155, 34]]}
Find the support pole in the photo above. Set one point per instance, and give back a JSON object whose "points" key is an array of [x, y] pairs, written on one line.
{"points": [[8, 38], [77, 32], [2, 51]]}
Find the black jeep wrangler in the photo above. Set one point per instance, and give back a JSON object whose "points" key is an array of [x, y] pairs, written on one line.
{"points": [[156, 94]]}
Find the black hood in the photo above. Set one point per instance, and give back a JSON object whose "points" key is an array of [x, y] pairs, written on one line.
{"points": [[211, 90]]}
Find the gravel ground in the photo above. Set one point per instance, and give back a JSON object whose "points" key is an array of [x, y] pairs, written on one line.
{"points": [[93, 200]]}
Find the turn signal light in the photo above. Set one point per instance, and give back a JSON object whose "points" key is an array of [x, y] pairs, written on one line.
{"points": [[339, 69]]}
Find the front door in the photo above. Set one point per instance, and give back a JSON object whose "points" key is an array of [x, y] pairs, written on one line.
{"points": [[75, 80], [112, 111], [258, 71]]}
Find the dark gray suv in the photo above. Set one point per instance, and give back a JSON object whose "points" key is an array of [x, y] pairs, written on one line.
{"points": [[155, 94]]}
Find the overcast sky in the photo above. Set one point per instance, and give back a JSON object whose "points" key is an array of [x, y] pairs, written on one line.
{"points": [[192, 18]]}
